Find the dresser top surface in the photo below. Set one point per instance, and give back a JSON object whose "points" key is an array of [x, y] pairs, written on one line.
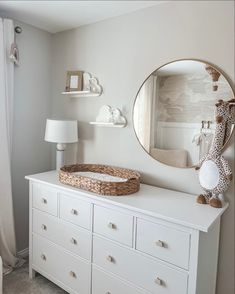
{"points": [[176, 207]]}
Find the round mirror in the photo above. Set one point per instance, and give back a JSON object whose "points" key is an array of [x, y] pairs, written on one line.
{"points": [[173, 113]]}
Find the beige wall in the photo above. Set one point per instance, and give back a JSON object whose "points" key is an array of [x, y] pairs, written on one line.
{"points": [[32, 105], [122, 52]]}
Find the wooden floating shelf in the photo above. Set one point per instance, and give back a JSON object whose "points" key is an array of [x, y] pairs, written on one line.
{"points": [[107, 124], [81, 94]]}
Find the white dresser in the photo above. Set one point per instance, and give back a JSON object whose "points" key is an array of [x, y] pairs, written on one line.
{"points": [[155, 241]]}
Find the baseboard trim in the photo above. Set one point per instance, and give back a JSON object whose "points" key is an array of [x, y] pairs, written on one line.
{"points": [[23, 253]]}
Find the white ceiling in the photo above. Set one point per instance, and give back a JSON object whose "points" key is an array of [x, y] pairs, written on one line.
{"points": [[56, 16], [182, 67]]}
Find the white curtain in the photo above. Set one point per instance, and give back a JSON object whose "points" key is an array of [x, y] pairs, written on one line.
{"points": [[143, 112], [7, 232]]}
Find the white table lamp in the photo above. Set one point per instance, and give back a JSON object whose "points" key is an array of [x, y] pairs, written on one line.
{"points": [[61, 132]]}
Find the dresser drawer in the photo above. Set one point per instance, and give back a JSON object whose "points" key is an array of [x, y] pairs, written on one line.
{"points": [[145, 272], [103, 283], [113, 224], [75, 211], [71, 271], [65, 234], [45, 199], [166, 243]]}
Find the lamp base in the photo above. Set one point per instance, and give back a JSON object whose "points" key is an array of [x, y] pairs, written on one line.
{"points": [[60, 148]]}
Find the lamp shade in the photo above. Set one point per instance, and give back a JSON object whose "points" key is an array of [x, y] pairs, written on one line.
{"points": [[61, 131]]}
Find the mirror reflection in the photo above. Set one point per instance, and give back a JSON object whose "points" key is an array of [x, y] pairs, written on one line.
{"points": [[174, 111]]}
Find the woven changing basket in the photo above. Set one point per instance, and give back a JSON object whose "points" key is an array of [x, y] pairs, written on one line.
{"points": [[130, 186]]}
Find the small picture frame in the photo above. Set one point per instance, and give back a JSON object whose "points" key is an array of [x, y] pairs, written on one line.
{"points": [[74, 81]]}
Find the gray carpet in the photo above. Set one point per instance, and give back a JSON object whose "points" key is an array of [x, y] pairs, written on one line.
{"points": [[18, 282]]}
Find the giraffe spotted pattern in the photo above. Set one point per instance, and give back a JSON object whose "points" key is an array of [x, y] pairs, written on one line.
{"points": [[224, 117]]}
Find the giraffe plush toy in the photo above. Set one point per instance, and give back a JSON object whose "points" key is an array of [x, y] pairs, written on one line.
{"points": [[215, 173]]}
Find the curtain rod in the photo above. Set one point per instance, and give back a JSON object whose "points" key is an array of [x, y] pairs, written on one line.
{"points": [[18, 30]]}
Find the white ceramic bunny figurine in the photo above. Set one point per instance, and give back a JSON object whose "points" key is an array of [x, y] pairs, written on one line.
{"points": [[215, 173]]}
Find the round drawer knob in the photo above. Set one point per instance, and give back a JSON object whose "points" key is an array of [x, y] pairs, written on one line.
{"points": [[43, 257], [74, 212], [160, 243], [112, 226], [73, 274], [159, 281], [44, 200], [74, 241], [110, 258], [44, 227]]}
